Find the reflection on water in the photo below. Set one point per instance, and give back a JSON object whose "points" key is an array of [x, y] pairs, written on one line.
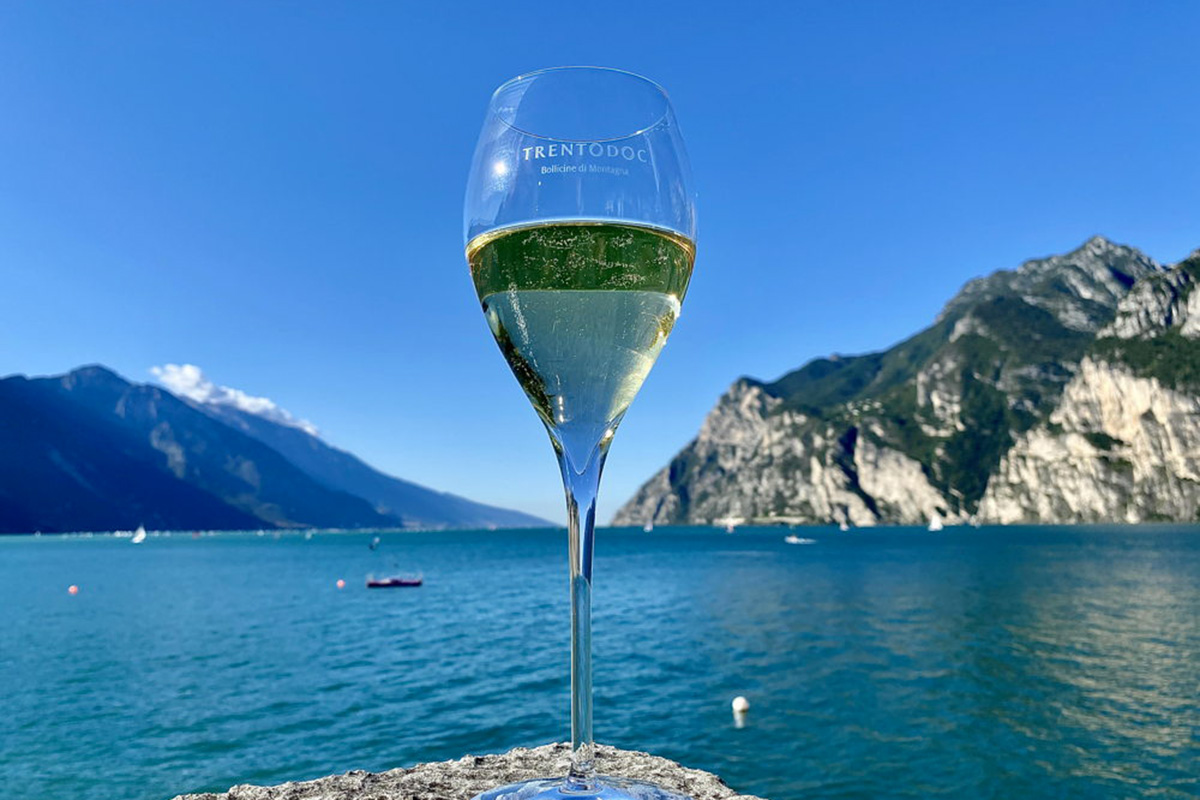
{"points": [[1035, 663], [1002, 663]]}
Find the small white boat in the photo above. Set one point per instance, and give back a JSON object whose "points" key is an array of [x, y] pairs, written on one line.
{"points": [[935, 523], [139, 535], [730, 524], [792, 538], [649, 526], [843, 526]]}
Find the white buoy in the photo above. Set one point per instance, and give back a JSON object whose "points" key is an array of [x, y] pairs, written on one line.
{"points": [[740, 705]]}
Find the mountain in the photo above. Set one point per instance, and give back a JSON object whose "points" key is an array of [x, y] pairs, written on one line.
{"points": [[1062, 391], [1123, 444], [92, 451], [416, 505]]}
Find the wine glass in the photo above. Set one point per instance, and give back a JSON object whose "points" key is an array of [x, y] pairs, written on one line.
{"points": [[580, 229]]}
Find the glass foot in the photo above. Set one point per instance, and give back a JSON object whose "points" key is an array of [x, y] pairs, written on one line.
{"points": [[602, 788]]}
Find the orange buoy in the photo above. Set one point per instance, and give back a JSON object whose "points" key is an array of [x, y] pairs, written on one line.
{"points": [[73, 589], [341, 584]]}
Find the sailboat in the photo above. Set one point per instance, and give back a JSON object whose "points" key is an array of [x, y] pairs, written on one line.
{"points": [[394, 581], [935, 523], [139, 535]]}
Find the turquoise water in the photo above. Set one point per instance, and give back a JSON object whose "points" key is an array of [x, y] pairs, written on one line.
{"points": [[992, 663]]}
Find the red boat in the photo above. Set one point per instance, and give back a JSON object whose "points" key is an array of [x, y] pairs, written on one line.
{"points": [[393, 581]]}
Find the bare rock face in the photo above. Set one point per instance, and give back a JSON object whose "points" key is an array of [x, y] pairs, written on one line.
{"points": [[1078, 288], [1159, 303], [754, 463], [1067, 390], [1119, 448], [466, 777]]}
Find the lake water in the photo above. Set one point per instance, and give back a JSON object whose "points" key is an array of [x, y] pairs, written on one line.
{"points": [[991, 663]]}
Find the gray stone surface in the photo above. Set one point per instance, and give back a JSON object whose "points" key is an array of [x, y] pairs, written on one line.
{"points": [[466, 777]]}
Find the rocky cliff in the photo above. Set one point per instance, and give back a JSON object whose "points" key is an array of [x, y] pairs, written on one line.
{"points": [[1123, 444], [1063, 391]]}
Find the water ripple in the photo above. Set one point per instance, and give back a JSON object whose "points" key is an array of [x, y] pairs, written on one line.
{"points": [[1001, 663]]}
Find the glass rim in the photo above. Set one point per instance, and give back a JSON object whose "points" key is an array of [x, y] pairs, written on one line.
{"points": [[525, 76]]}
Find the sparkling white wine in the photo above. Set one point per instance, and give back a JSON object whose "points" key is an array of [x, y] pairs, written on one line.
{"points": [[581, 311]]}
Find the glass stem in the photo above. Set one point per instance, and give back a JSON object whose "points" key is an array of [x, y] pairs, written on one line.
{"points": [[582, 486]]}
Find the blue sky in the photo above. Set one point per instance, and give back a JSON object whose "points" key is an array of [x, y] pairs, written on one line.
{"points": [[273, 191]]}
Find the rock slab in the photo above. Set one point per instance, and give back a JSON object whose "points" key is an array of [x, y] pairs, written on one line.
{"points": [[466, 777]]}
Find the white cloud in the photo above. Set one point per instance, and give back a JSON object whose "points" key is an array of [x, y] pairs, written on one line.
{"points": [[188, 380]]}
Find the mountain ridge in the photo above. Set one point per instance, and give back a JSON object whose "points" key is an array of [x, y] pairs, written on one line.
{"points": [[919, 430], [340, 469], [89, 450]]}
